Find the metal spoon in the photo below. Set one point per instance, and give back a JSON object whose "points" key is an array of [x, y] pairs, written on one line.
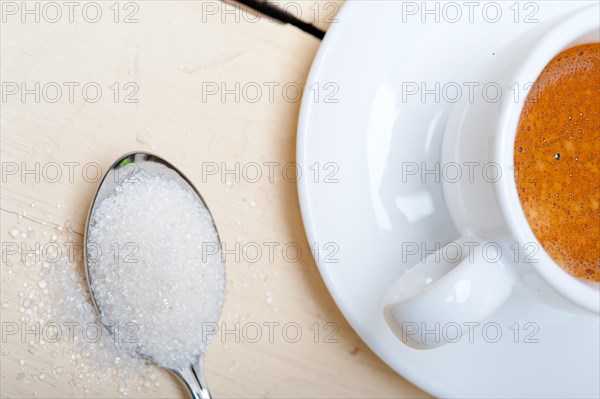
{"points": [[124, 171]]}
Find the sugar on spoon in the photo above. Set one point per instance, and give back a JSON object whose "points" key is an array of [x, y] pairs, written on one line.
{"points": [[152, 170]]}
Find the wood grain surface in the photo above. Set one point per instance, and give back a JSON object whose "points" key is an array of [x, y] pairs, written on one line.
{"points": [[187, 75]]}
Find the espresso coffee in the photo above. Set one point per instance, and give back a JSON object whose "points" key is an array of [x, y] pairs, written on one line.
{"points": [[557, 160]]}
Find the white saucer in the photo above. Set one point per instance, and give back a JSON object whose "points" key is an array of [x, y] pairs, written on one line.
{"points": [[370, 212]]}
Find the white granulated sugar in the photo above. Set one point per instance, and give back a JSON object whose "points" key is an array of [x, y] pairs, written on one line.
{"points": [[60, 297], [154, 273]]}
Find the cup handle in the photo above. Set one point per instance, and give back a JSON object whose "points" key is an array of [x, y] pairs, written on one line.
{"points": [[437, 301]]}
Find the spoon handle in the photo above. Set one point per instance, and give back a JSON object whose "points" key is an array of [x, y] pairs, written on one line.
{"points": [[193, 377]]}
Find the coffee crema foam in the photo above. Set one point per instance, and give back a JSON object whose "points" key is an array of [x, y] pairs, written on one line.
{"points": [[557, 166]]}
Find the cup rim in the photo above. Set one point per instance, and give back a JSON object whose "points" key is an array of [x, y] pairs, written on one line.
{"points": [[567, 33]]}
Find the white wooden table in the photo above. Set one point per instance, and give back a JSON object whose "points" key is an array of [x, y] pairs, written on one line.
{"points": [[163, 78]]}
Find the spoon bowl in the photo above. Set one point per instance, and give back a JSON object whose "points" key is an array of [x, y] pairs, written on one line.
{"points": [[123, 171]]}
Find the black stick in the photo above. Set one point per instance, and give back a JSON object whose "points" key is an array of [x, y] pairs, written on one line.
{"points": [[277, 13]]}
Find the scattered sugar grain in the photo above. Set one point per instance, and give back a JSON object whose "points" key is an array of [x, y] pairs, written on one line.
{"points": [[61, 296], [14, 232]]}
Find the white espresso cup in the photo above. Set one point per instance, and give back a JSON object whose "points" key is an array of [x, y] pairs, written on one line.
{"points": [[497, 246]]}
